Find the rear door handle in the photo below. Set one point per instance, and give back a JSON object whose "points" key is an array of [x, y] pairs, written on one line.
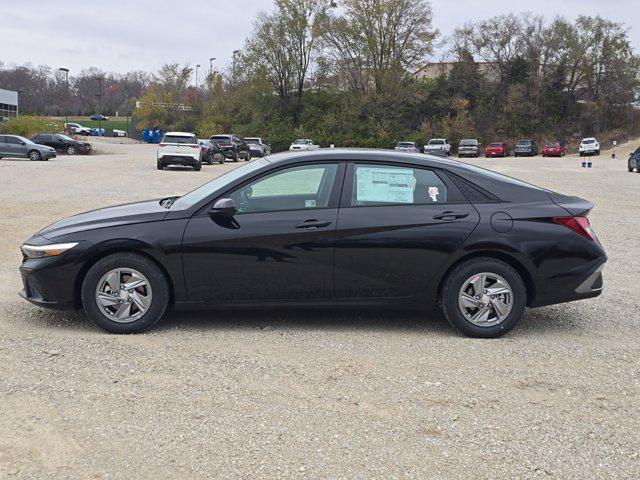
{"points": [[450, 216], [314, 224]]}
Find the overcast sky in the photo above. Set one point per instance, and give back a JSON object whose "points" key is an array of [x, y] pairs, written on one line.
{"points": [[123, 35]]}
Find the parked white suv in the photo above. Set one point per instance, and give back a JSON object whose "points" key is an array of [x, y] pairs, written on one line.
{"points": [[303, 144], [77, 129], [179, 148], [438, 146], [589, 146]]}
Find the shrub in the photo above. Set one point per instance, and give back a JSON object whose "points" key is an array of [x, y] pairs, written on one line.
{"points": [[29, 125]]}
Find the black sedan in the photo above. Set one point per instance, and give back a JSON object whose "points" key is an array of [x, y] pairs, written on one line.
{"points": [[62, 143], [325, 228]]}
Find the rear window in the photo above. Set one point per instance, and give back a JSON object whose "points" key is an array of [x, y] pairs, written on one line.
{"points": [[468, 143], [178, 139], [221, 138], [405, 144], [436, 142], [252, 141], [589, 140], [495, 145], [523, 142]]}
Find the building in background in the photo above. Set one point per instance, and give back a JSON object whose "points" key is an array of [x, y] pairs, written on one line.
{"points": [[8, 103]]}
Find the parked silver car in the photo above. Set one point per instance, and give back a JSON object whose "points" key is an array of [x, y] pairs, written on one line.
{"points": [[258, 146], [15, 146]]}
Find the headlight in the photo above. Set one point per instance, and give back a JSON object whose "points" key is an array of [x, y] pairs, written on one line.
{"points": [[42, 251]]}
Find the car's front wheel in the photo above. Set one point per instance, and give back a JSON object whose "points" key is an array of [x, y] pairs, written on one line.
{"points": [[35, 156], [125, 293], [483, 297]]}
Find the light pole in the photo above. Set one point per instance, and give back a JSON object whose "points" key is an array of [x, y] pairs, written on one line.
{"points": [[66, 74], [211, 60], [234, 67], [197, 67], [99, 95]]}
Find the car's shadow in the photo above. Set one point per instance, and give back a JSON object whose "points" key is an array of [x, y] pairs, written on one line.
{"points": [[538, 321]]}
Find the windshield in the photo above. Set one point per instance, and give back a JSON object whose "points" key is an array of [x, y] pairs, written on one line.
{"points": [[436, 142], [252, 141], [217, 183], [178, 139], [302, 142], [495, 145], [221, 138], [65, 137], [552, 145], [467, 143], [525, 143], [589, 140]]}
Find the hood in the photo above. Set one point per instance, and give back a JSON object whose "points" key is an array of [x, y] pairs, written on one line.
{"points": [[147, 211]]}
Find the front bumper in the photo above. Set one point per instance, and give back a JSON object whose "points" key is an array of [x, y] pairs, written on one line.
{"points": [[527, 151], [47, 154]]}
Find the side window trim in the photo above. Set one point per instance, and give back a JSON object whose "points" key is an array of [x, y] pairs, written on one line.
{"points": [[347, 190]]}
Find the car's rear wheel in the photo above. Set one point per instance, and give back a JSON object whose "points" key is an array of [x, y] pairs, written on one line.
{"points": [[125, 293], [159, 165], [71, 150], [35, 156], [197, 167], [483, 297]]}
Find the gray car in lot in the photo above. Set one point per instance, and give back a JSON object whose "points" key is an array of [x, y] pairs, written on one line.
{"points": [[15, 146]]}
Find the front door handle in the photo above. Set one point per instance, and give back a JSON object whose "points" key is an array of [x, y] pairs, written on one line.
{"points": [[450, 216], [314, 224]]}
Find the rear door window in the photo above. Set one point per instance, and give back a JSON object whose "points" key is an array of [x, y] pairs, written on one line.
{"points": [[396, 185]]}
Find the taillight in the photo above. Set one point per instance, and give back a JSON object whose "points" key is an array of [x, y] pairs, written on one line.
{"points": [[580, 225]]}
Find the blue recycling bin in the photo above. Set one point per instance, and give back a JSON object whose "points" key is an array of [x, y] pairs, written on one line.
{"points": [[145, 135]]}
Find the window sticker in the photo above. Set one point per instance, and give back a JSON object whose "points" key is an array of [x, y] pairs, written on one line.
{"points": [[385, 185], [433, 193], [310, 203]]}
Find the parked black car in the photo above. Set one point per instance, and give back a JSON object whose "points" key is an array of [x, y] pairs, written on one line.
{"points": [[233, 146], [526, 148], [325, 228], [211, 152], [634, 161], [62, 143]]}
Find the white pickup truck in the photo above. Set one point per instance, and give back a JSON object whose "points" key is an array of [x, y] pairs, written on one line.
{"points": [[438, 146], [303, 144], [179, 148], [77, 129]]}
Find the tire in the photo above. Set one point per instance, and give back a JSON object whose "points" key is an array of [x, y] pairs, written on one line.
{"points": [[71, 150], [236, 157], [197, 167], [597, 152], [159, 165], [582, 154], [247, 157], [158, 291], [221, 161], [459, 277], [35, 156]]}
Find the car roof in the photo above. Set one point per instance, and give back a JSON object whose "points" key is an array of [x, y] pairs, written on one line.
{"points": [[179, 134]]}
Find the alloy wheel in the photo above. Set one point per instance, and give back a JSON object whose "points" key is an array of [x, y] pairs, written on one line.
{"points": [[485, 299], [123, 295]]}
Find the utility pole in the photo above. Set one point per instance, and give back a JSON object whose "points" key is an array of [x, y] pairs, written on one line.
{"points": [[99, 106], [211, 60], [66, 106]]}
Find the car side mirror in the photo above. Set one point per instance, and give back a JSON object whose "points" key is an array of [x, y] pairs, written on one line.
{"points": [[223, 208]]}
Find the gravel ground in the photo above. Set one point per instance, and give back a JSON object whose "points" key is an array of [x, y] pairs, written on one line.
{"points": [[312, 394]]}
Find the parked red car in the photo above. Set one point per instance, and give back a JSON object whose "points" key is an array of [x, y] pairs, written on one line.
{"points": [[554, 150], [497, 149]]}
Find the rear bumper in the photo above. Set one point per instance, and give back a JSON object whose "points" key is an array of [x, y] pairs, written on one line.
{"points": [[178, 160], [579, 283]]}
